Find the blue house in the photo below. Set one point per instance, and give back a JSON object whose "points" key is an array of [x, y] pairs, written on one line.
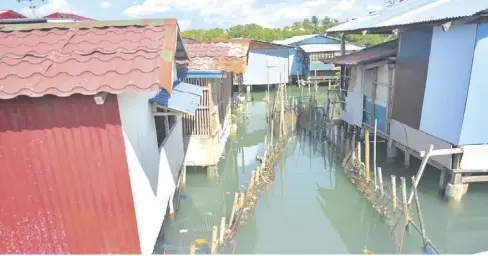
{"points": [[308, 55], [439, 91]]}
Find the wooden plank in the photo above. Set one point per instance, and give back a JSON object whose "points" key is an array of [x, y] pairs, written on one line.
{"points": [[469, 170], [468, 179], [443, 152]]}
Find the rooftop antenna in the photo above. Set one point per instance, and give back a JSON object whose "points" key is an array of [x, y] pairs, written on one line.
{"points": [[32, 6]]}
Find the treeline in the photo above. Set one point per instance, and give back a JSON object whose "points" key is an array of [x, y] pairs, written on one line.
{"points": [[314, 25]]}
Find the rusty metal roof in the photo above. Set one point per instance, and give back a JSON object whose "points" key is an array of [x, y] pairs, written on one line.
{"points": [[227, 55], [369, 54], [88, 57], [414, 12]]}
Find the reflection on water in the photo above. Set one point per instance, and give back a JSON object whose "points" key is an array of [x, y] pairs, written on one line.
{"points": [[312, 207]]}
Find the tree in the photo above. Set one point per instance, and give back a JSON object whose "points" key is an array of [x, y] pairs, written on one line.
{"points": [[255, 31]]}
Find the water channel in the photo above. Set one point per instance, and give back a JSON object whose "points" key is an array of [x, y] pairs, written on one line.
{"points": [[312, 207]]}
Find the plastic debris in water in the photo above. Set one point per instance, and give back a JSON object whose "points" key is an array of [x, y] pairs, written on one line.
{"points": [[200, 241], [366, 251], [183, 230], [428, 250], [183, 196]]}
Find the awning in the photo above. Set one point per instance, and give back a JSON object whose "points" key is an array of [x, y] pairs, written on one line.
{"points": [[373, 53], [185, 98]]}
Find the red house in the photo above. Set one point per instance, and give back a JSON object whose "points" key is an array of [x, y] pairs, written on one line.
{"points": [[84, 167], [67, 16]]}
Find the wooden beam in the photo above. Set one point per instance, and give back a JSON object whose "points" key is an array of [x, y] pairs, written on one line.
{"points": [[167, 114], [468, 179], [469, 170], [443, 152]]}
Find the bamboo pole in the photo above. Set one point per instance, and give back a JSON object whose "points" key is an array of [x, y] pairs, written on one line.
{"points": [[241, 199], [193, 249], [419, 212], [234, 209], [222, 230], [215, 242], [404, 200], [374, 152], [171, 207], [366, 155], [359, 156], [393, 192], [380, 177]]}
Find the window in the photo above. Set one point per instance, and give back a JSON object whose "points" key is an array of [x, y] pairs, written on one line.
{"points": [[164, 124], [320, 56]]}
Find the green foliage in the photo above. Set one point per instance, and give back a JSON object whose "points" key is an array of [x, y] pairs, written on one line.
{"points": [[314, 25]]}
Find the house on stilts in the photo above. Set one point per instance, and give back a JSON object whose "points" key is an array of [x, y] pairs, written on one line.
{"points": [[306, 58], [438, 87], [91, 135], [212, 65]]}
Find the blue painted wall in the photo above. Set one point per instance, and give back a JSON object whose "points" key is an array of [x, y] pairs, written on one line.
{"points": [[296, 63], [379, 113], [449, 71], [264, 63], [475, 125]]}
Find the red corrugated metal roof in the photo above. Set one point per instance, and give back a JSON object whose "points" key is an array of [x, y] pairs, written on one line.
{"points": [[62, 15], [227, 55], [9, 14], [372, 53], [87, 57], [64, 185]]}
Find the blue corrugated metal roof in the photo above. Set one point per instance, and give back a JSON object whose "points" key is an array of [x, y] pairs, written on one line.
{"points": [[414, 11], [184, 98]]}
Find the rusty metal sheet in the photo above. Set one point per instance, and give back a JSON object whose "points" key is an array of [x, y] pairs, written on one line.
{"points": [[369, 54], [65, 185]]}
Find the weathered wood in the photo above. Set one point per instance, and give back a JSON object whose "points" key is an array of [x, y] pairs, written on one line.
{"points": [[393, 192], [215, 241], [222, 230], [443, 152], [374, 153], [469, 170], [419, 212], [469, 179], [425, 160], [404, 199], [366, 155], [380, 177], [234, 209]]}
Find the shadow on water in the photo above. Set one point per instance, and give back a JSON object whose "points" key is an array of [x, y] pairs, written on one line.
{"points": [[312, 207]]}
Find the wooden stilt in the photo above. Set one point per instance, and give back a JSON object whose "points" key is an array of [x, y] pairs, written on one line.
{"points": [[393, 192], [419, 212], [374, 153], [234, 209], [215, 241], [366, 155], [380, 178], [404, 200], [222, 230], [171, 207]]}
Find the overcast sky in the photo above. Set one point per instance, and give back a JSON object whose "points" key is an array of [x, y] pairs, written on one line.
{"points": [[204, 13]]}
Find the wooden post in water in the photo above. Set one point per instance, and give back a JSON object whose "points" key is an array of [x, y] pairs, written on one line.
{"points": [[222, 230], [171, 207], [215, 241], [393, 192], [359, 156], [404, 200], [366, 155], [193, 249], [251, 183], [234, 209], [419, 212], [374, 153], [380, 177]]}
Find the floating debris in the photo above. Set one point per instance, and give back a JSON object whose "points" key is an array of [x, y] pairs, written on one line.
{"points": [[183, 231]]}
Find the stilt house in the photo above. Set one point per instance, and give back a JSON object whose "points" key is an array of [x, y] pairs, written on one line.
{"points": [[87, 166]]}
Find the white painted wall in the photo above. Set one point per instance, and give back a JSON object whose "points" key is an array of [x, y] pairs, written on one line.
{"points": [[153, 173], [353, 113]]}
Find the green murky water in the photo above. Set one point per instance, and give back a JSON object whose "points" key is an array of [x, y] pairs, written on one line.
{"points": [[312, 207]]}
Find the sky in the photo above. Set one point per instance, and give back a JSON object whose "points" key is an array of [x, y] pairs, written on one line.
{"points": [[196, 14]]}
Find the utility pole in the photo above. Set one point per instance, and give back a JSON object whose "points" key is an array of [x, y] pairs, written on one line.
{"points": [[32, 6]]}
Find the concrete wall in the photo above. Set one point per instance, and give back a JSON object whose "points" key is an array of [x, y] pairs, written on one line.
{"points": [[475, 124], [449, 72], [153, 172], [267, 65]]}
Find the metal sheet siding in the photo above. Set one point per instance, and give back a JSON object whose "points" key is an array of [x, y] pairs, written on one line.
{"points": [[475, 117], [448, 81], [267, 64], [411, 76], [64, 186]]}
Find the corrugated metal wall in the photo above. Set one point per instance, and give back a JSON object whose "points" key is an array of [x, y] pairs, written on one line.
{"points": [[64, 185], [451, 58], [411, 76]]}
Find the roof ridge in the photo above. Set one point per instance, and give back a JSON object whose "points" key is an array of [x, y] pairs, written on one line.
{"points": [[88, 24]]}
